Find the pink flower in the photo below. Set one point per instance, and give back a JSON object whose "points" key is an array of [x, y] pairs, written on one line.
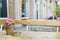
{"points": [[9, 20]]}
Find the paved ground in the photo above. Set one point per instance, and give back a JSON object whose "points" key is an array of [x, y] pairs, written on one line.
{"points": [[31, 36]]}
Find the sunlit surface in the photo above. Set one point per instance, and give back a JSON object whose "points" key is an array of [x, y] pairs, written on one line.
{"points": [[31, 36]]}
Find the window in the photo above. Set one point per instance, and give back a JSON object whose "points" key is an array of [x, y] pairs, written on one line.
{"points": [[25, 8], [58, 3], [3, 8], [37, 2]]}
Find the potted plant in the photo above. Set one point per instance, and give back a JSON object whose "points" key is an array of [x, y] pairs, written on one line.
{"points": [[9, 26], [58, 11]]}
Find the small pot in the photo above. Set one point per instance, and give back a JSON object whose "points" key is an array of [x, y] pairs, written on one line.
{"points": [[9, 29]]}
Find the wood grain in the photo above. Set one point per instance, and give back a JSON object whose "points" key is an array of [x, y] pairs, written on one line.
{"points": [[36, 22]]}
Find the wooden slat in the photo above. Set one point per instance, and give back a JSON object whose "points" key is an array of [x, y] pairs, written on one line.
{"points": [[2, 22], [36, 22]]}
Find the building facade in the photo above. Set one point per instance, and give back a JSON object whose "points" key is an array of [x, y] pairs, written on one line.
{"points": [[33, 9]]}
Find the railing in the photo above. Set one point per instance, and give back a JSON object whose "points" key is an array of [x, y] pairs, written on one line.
{"points": [[37, 22]]}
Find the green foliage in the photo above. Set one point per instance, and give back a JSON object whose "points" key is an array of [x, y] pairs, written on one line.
{"points": [[58, 11]]}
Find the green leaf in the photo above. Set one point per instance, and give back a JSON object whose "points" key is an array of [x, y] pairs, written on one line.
{"points": [[58, 11]]}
